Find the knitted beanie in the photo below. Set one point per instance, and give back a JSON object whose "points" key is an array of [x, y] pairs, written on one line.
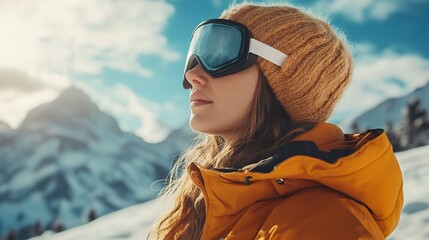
{"points": [[318, 67]]}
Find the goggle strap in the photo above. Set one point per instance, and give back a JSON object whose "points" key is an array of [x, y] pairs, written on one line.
{"points": [[267, 52]]}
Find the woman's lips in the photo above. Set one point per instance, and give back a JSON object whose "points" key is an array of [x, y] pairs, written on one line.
{"points": [[198, 99], [200, 102]]}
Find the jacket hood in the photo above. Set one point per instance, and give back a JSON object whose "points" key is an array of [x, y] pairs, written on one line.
{"points": [[362, 166]]}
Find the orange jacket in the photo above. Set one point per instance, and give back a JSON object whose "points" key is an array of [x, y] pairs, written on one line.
{"points": [[308, 191]]}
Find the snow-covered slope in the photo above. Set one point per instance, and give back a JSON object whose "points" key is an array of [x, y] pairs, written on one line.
{"points": [[67, 157], [133, 222], [389, 110], [130, 223], [414, 222]]}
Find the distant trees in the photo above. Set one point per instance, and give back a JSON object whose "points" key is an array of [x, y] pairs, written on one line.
{"points": [[393, 136], [355, 127], [413, 130], [413, 125], [58, 226], [91, 215], [12, 235], [38, 228]]}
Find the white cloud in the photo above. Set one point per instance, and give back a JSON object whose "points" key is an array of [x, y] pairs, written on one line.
{"points": [[20, 92], [80, 36], [44, 42], [18, 81], [15, 105], [216, 3], [13, 79], [133, 112], [361, 10], [381, 10], [378, 76]]}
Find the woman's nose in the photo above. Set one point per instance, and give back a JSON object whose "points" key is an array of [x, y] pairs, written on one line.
{"points": [[196, 76]]}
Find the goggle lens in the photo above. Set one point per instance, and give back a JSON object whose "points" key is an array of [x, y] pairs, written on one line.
{"points": [[216, 46]]}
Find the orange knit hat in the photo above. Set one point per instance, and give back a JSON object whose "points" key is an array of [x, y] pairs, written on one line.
{"points": [[318, 67]]}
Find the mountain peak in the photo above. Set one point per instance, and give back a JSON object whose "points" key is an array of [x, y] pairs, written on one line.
{"points": [[76, 100], [72, 103]]}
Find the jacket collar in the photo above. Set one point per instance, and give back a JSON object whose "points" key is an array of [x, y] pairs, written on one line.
{"points": [[325, 135], [212, 182], [355, 173]]}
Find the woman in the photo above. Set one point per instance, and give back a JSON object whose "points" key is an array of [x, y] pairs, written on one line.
{"points": [[263, 81]]}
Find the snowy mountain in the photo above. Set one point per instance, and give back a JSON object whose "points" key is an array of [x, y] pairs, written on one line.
{"points": [[67, 158], [133, 222], [389, 110], [4, 126]]}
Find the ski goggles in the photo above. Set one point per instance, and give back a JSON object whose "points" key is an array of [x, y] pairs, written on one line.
{"points": [[224, 47]]}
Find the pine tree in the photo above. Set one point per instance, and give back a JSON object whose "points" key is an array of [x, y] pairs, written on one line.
{"points": [[413, 124], [36, 229], [58, 226], [91, 215], [393, 136], [11, 235], [355, 127]]}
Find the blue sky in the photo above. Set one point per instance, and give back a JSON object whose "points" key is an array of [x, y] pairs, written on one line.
{"points": [[129, 55]]}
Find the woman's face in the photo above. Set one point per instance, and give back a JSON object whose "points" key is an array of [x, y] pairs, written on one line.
{"points": [[218, 105]]}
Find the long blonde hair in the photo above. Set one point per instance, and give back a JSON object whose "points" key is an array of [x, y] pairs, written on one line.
{"points": [[265, 128]]}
